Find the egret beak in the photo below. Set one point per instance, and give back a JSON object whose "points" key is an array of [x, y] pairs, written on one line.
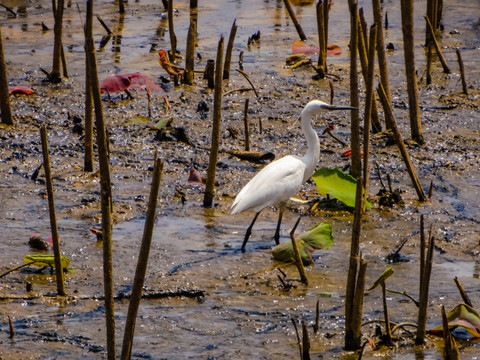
{"points": [[333, 107]]}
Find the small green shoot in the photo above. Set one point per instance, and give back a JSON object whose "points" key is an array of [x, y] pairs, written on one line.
{"points": [[381, 279]]}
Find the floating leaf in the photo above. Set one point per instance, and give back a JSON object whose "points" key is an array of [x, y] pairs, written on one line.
{"points": [[462, 316], [299, 47], [139, 119], [338, 184], [385, 275], [317, 237], [334, 50], [162, 123], [21, 90], [143, 82], [46, 260], [117, 82]]}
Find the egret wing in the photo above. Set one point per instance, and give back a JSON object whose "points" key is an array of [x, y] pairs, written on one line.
{"points": [[275, 183]]}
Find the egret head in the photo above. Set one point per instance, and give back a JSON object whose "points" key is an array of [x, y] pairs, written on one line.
{"points": [[321, 106]]}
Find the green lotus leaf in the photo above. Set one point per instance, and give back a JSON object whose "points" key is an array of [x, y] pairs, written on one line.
{"points": [[317, 237], [338, 184], [139, 119], [160, 124]]}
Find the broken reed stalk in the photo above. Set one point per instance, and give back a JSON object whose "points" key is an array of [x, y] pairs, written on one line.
{"points": [[245, 123], [51, 209], [297, 257], [105, 188], [64, 62], [388, 328], [217, 120], [322, 46], [353, 330], [298, 27], [9, 10], [5, 106], [364, 51], [190, 55], [327, 4], [446, 69], [369, 102], [429, 64], [450, 350], [356, 160], [401, 145], [142, 262], [88, 140], [105, 26], [363, 25], [240, 60], [11, 329], [433, 14], [463, 293], [305, 342], [244, 74], [171, 31], [382, 58], [57, 7], [121, 7], [425, 272], [358, 299], [462, 71], [317, 317], [209, 73], [298, 338], [411, 74], [228, 53], [423, 246]]}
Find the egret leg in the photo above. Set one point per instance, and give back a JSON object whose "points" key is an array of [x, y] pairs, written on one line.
{"points": [[281, 209], [249, 231]]}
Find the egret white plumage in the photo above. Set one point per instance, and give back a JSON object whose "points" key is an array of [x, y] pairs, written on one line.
{"points": [[283, 178]]}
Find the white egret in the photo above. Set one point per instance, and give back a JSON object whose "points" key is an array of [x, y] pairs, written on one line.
{"points": [[283, 178]]}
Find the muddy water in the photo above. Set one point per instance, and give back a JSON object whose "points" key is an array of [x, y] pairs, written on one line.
{"points": [[245, 311]]}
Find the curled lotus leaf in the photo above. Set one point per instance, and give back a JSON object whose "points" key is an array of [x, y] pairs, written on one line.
{"points": [[46, 260], [317, 237]]}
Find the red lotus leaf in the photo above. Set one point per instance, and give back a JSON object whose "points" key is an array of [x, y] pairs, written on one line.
{"points": [[167, 65], [299, 47], [333, 50], [143, 82], [21, 90], [117, 82], [348, 153]]}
